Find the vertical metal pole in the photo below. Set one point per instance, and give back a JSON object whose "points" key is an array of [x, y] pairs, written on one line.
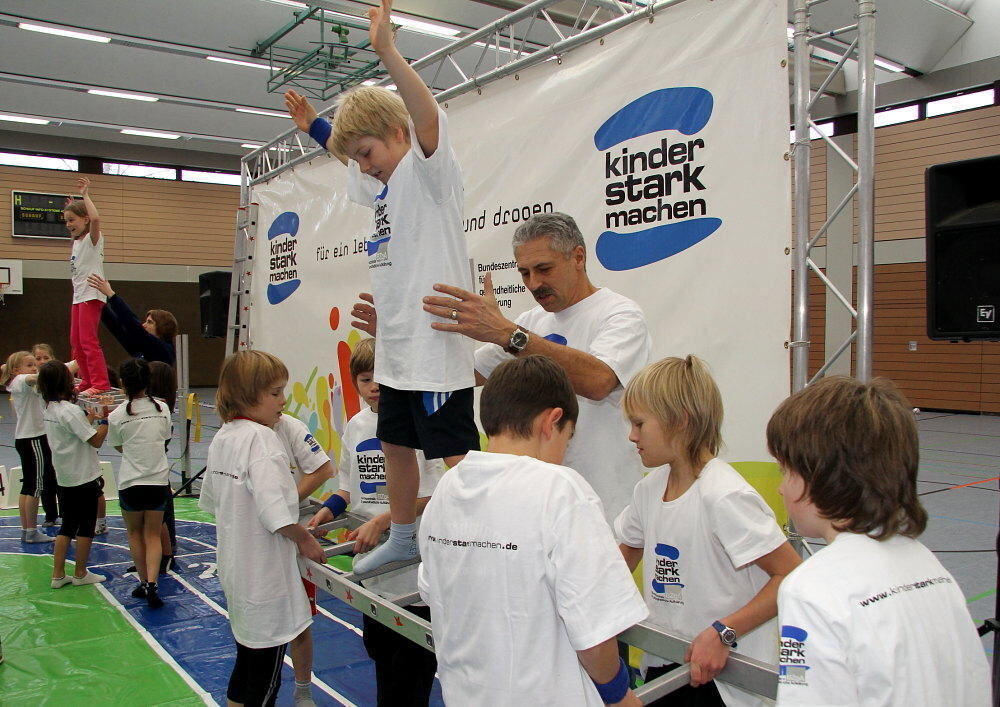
{"points": [[866, 185], [183, 364], [800, 240]]}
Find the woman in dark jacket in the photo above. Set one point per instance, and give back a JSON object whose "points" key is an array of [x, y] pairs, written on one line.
{"points": [[151, 339]]}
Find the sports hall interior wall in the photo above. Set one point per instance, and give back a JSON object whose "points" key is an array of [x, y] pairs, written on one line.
{"points": [[151, 226], [962, 376]]}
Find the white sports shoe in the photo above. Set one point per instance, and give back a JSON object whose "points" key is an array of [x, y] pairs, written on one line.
{"points": [[89, 578], [102, 526]]}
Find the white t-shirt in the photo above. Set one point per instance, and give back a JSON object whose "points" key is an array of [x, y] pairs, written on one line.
{"points": [[141, 436], [249, 490], [305, 455], [362, 465], [67, 430], [520, 571], [86, 259], [418, 241], [613, 329], [865, 622], [28, 407], [698, 554]]}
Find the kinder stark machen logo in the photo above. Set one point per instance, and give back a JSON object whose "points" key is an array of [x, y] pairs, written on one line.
{"points": [[283, 275], [661, 186]]}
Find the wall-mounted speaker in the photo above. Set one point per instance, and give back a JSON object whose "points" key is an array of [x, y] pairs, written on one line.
{"points": [[214, 288], [963, 249]]}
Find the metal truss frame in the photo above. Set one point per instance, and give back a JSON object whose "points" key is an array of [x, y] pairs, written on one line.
{"points": [[862, 50]]}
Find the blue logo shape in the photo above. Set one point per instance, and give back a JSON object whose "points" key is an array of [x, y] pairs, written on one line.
{"points": [[685, 109], [369, 445], [660, 587], [668, 551], [381, 194], [556, 339], [626, 251], [367, 487], [793, 632], [286, 223], [375, 246], [311, 441]]}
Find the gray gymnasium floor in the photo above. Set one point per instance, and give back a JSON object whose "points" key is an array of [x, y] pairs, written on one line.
{"points": [[958, 483]]}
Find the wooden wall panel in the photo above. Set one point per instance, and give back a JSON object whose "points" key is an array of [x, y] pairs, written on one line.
{"points": [[143, 220]]}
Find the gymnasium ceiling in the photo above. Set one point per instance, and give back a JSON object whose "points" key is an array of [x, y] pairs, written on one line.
{"points": [[157, 49]]}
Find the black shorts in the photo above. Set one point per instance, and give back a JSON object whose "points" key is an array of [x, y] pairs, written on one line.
{"points": [[36, 464], [79, 509], [256, 676], [404, 670], [143, 498], [419, 420]]}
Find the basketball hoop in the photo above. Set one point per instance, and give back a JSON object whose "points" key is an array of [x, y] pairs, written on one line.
{"points": [[3, 290]]}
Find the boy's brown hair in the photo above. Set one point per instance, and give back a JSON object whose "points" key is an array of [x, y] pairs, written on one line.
{"points": [[55, 382], [369, 111], [518, 390], [362, 359], [166, 324], [244, 377], [682, 395], [855, 446]]}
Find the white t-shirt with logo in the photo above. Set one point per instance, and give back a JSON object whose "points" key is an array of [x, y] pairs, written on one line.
{"points": [[68, 431], [141, 436], [362, 465], [520, 571], [86, 259], [249, 490], [419, 241], [305, 455], [698, 555], [611, 328], [868, 622], [28, 407]]}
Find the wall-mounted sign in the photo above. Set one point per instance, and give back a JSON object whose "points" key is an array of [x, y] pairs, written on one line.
{"points": [[37, 215]]}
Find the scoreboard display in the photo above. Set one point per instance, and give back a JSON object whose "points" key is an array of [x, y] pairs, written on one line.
{"points": [[37, 215]]}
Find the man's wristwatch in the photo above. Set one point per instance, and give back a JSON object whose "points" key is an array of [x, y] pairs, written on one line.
{"points": [[726, 634], [518, 340]]}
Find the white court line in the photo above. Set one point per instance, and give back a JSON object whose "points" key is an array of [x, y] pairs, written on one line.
{"points": [[288, 660], [130, 562], [338, 620], [157, 648]]}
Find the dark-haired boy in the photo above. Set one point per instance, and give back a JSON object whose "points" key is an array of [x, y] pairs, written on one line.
{"points": [[874, 618], [522, 574]]}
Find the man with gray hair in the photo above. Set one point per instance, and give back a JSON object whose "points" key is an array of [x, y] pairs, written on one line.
{"points": [[598, 336]]}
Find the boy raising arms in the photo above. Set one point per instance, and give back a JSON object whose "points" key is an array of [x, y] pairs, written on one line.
{"points": [[873, 618], [401, 164], [525, 583]]}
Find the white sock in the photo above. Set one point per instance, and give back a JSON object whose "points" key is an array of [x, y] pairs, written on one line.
{"points": [[401, 545]]}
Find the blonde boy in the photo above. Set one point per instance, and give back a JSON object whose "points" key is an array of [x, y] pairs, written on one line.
{"points": [[400, 164], [873, 618]]}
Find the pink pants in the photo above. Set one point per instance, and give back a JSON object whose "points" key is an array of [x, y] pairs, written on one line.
{"points": [[84, 319]]}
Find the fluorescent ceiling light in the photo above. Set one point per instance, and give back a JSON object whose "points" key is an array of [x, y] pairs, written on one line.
{"points": [[289, 3], [418, 26], [22, 119], [64, 32], [271, 113], [116, 94], [238, 62], [889, 65], [151, 133], [250, 145]]}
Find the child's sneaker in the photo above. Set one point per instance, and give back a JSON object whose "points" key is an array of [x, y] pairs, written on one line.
{"points": [[303, 696], [52, 523], [89, 578], [102, 526], [140, 591], [35, 536], [60, 581], [152, 596]]}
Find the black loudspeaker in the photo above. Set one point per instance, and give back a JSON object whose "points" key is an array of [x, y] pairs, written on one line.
{"points": [[963, 249], [214, 287]]}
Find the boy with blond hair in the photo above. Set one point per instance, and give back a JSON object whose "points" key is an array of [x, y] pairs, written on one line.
{"points": [[873, 618], [400, 163]]}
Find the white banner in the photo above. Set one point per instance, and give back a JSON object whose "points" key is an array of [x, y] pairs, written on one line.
{"points": [[666, 143]]}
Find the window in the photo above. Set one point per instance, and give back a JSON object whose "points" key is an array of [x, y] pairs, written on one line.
{"points": [[139, 170], [897, 115], [966, 101], [17, 160], [193, 175], [824, 129]]}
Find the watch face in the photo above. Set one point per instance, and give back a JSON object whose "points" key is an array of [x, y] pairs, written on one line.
{"points": [[728, 636], [518, 340]]}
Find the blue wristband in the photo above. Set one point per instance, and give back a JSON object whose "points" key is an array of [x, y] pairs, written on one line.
{"points": [[336, 504], [320, 131], [614, 691]]}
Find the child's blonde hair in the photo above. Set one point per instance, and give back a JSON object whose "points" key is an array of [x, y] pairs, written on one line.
{"points": [[682, 395], [362, 358], [367, 111], [244, 376], [14, 362], [44, 347]]}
